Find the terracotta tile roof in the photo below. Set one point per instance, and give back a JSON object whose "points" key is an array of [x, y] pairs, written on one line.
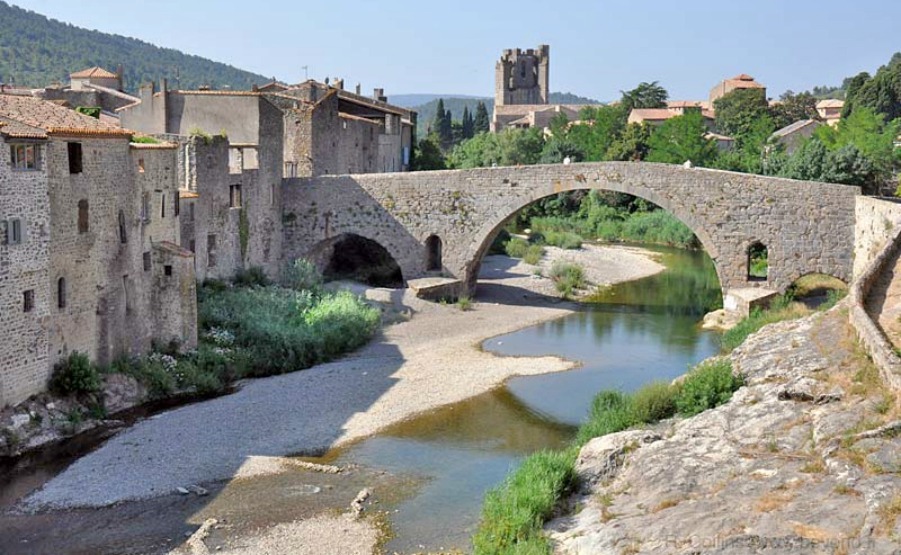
{"points": [[96, 72], [742, 77], [794, 127], [830, 103], [358, 118], [683, 103], [652, 114], [55, 120], [18, 130], [219, 93]]}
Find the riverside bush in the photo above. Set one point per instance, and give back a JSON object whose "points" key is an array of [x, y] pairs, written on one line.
{"points": [[782, 308], [517, 247], [655, 401], [513, 513], [567, 277], [611, 411], [283, 330], [710, 384], [75, 375], [533, 254], [563, 239]]}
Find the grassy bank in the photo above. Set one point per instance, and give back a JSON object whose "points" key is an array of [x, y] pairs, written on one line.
{"points": [[514, 513], [248, 328]]}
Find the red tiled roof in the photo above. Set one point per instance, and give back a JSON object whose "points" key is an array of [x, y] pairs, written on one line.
{"points": [[53, 119], [96, 72], [12, 128]]}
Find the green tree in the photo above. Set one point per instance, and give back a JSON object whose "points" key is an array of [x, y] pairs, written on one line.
{"points": [[868, 132], [631, 144], [481, 123], [556, 149], [467, 123], [511, 147], [749, 152], [645, 95], [428, 155], [737, 112], [682, 139], [853, 85], [794, 107], [599, 127], [442, 126], [881, 93]]}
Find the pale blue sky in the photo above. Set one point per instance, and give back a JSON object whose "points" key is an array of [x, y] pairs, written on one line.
{"points": [[597, 47]]}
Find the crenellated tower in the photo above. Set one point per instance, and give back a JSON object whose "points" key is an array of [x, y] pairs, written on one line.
{"points": [[521, 76]]}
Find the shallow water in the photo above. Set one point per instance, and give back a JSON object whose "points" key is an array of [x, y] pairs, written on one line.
{"points": [[628, 335]]}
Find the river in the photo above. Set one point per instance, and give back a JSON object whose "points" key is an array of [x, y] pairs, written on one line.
{"points": [[625, 336]]}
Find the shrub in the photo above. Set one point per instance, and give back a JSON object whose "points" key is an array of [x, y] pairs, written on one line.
{"points": [[75, 375], [533, 254], [251, 277], [517, 247], [513, 513], [341, 322], [655, 401], [302, 275], [464, 303], [563, 239], [781, 308], [160, 382], [144, 139], [202, 380], [567, 277], [611, 411], [710, 384]]}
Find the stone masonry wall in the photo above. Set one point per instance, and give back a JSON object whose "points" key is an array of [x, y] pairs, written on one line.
{"points": [[807, 227], [876, 219], [24, 267]]}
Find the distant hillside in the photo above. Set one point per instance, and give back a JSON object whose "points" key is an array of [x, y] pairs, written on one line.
{"points": [[414, 100], [456, 104], [35, 51]]}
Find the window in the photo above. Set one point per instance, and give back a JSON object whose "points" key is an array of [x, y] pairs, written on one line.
{"points": [[433, 253], [162, 204], [191, 212], [192, 245], [145, 207], [126, 291], [234, 196], [272, 193], [61, 293], [15, 232], [758, 262], [211, 251], [167, 269], [83, 218], [140, 165], [24, 157], [176, 203], [75, 161], [28, 300], [147, 262], [123, 232]]}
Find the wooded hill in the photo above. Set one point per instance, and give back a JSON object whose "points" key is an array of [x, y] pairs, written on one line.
{"points": [[36, 51]]}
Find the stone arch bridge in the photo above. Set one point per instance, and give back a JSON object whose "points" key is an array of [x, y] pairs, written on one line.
{"points": [[807, 227]]}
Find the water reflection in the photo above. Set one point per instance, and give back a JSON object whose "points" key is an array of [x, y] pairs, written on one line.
{"points": [[630, 334]]}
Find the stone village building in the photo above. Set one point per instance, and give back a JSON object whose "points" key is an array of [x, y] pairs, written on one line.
{"points": [[89, 255], [102, 240]]}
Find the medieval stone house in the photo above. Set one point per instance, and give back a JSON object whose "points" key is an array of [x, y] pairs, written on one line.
{"points": [[89, 255]]}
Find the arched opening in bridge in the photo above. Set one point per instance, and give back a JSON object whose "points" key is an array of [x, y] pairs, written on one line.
{"points": [[353, 257], [816, 290], [758, 262], [433, 253], [597, 230]]}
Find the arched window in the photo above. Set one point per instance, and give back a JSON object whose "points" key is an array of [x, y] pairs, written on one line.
{"points": [[61, 293], [433, 253], [758, 262]]}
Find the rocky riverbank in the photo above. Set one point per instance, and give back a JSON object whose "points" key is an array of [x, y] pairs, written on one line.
{"points": [[805, 458]]}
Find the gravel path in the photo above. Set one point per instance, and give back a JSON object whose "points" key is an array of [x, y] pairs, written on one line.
{"points": [[429, 361]]}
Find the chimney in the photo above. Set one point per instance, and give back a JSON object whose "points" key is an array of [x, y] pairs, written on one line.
{"points": [[120, 72], [359, 90], [339, 83], [379, 94]]}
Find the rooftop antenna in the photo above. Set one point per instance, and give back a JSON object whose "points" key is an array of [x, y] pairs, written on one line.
{"points": [[305, 69]]}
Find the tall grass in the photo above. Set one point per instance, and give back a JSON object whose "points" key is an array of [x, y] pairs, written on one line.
{"points": [[514, 512], [567, 277]]}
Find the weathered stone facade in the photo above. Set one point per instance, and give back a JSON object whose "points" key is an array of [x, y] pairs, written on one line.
{"points": [[807, 227], [23, 267], [98, 269], [876, 220]]}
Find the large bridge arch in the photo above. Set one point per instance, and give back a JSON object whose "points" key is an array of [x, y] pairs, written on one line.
{"points": [[806, 226]]}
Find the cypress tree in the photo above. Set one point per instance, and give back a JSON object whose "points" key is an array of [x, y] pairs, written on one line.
{"points": [[481, 124], [467, 124]]}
